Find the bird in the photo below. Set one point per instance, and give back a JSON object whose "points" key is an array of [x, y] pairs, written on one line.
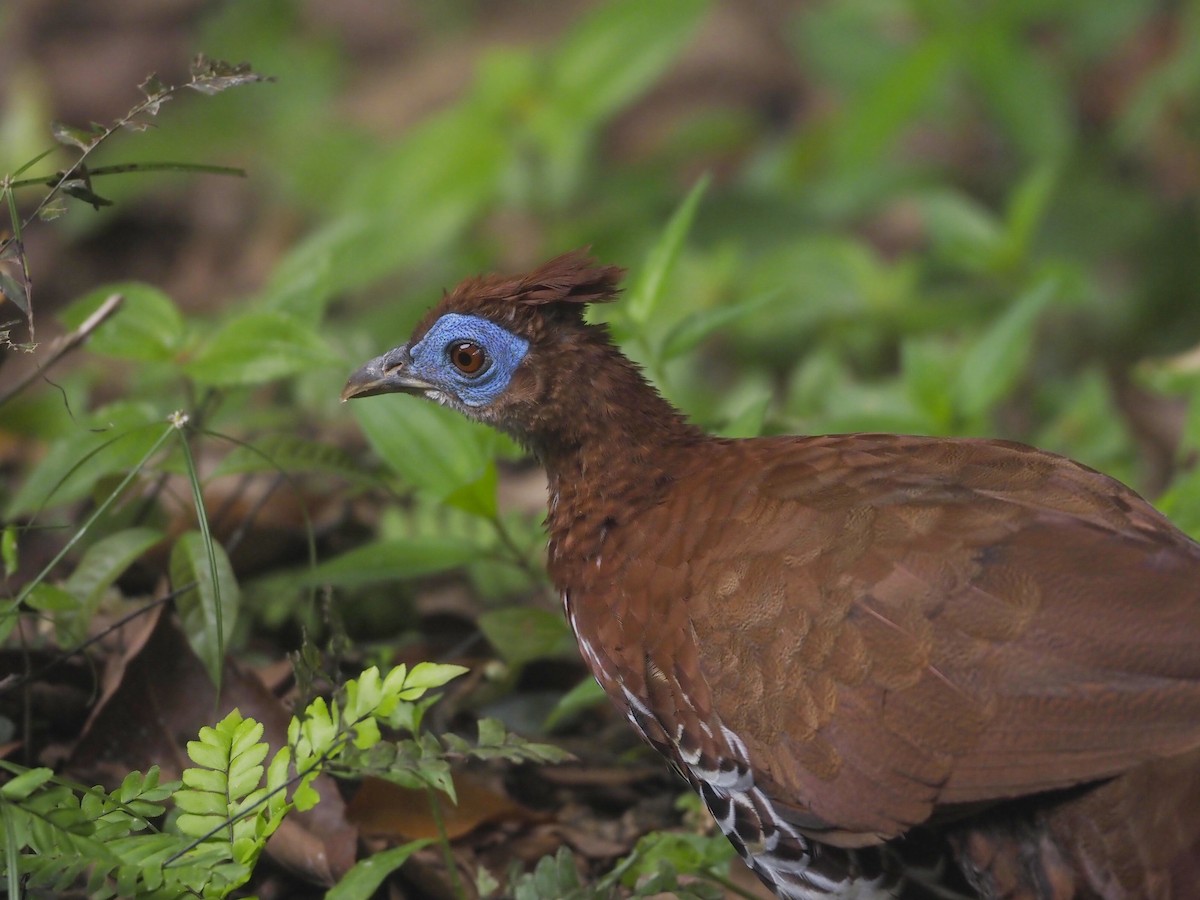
{"points": [[892, 666]]}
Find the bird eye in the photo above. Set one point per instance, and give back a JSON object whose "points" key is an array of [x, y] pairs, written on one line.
{"points": [[467, 356]]}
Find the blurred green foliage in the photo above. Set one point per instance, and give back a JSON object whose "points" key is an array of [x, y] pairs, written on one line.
{"points": [[974, 218]]}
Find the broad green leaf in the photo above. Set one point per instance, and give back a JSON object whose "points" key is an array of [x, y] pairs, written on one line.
{"points": [[890, 103], [1028, 97], [147, 328], [684, 852], [51, 598], [365, 877], [653, 279], [397, 209], [617, 52], [1026, 209], [198, 606], [928, 366], [426, 676], [256, 347], [105, 561], [523, 634], [113, 440], [964, 233], [390, 561], [996, 362], [478, 497], [25, 783], [431, 447], [554, 878]]}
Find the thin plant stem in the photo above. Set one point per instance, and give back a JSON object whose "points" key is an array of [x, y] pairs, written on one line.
{"points": [[435, 808]]}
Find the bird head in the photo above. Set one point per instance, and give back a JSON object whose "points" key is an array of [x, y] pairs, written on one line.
{"points": [[503, 350]]}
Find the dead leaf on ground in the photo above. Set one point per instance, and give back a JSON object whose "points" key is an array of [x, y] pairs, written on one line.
{"points": [[383, 809]]}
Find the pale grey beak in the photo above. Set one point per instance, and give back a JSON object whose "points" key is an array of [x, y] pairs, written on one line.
{"points": [[387, 374]]}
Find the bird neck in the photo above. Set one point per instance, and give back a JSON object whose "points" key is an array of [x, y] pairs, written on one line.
{"points": [[617, 448]]}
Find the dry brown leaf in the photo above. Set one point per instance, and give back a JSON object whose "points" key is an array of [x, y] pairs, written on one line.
{"points": [[383, 809]]}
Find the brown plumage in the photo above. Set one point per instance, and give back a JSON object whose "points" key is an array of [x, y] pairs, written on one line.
{"points": [[892, 666]]}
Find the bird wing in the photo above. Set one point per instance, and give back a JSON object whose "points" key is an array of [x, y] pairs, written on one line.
{"points": [[889, 628]]}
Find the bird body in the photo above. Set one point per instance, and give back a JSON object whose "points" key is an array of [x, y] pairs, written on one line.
{"points": [[892, 667]]}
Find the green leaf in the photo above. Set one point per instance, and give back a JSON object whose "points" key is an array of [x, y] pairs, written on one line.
{"points": [[891, 103], [929, 366], [8, 550], [198, 606], [681, 851], [223, 801], [617, 52], [305, 796], [479, 496], [993, 366], [197, 826], [24, 784], [426, 676], [554, 878], [655, 275], [432, 448], [147, 328], [106, 560], [399, 208], [49, 598], [204, 803], [963, 232], [1030, 99], [391, 560], [205, 779], [748, 422], [1026, 209], [113, 440], [211, 751], [365, 877], [257, 347], [522, 634]]}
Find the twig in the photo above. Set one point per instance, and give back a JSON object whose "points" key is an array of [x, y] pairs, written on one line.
{"points": [[64, 345]]}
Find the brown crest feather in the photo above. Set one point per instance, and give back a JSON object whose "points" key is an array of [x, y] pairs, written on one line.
{"points": [[566, 283], [573, 277]]}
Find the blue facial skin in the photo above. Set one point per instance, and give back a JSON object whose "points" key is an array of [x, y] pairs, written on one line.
{"points": [[504, 352]]}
